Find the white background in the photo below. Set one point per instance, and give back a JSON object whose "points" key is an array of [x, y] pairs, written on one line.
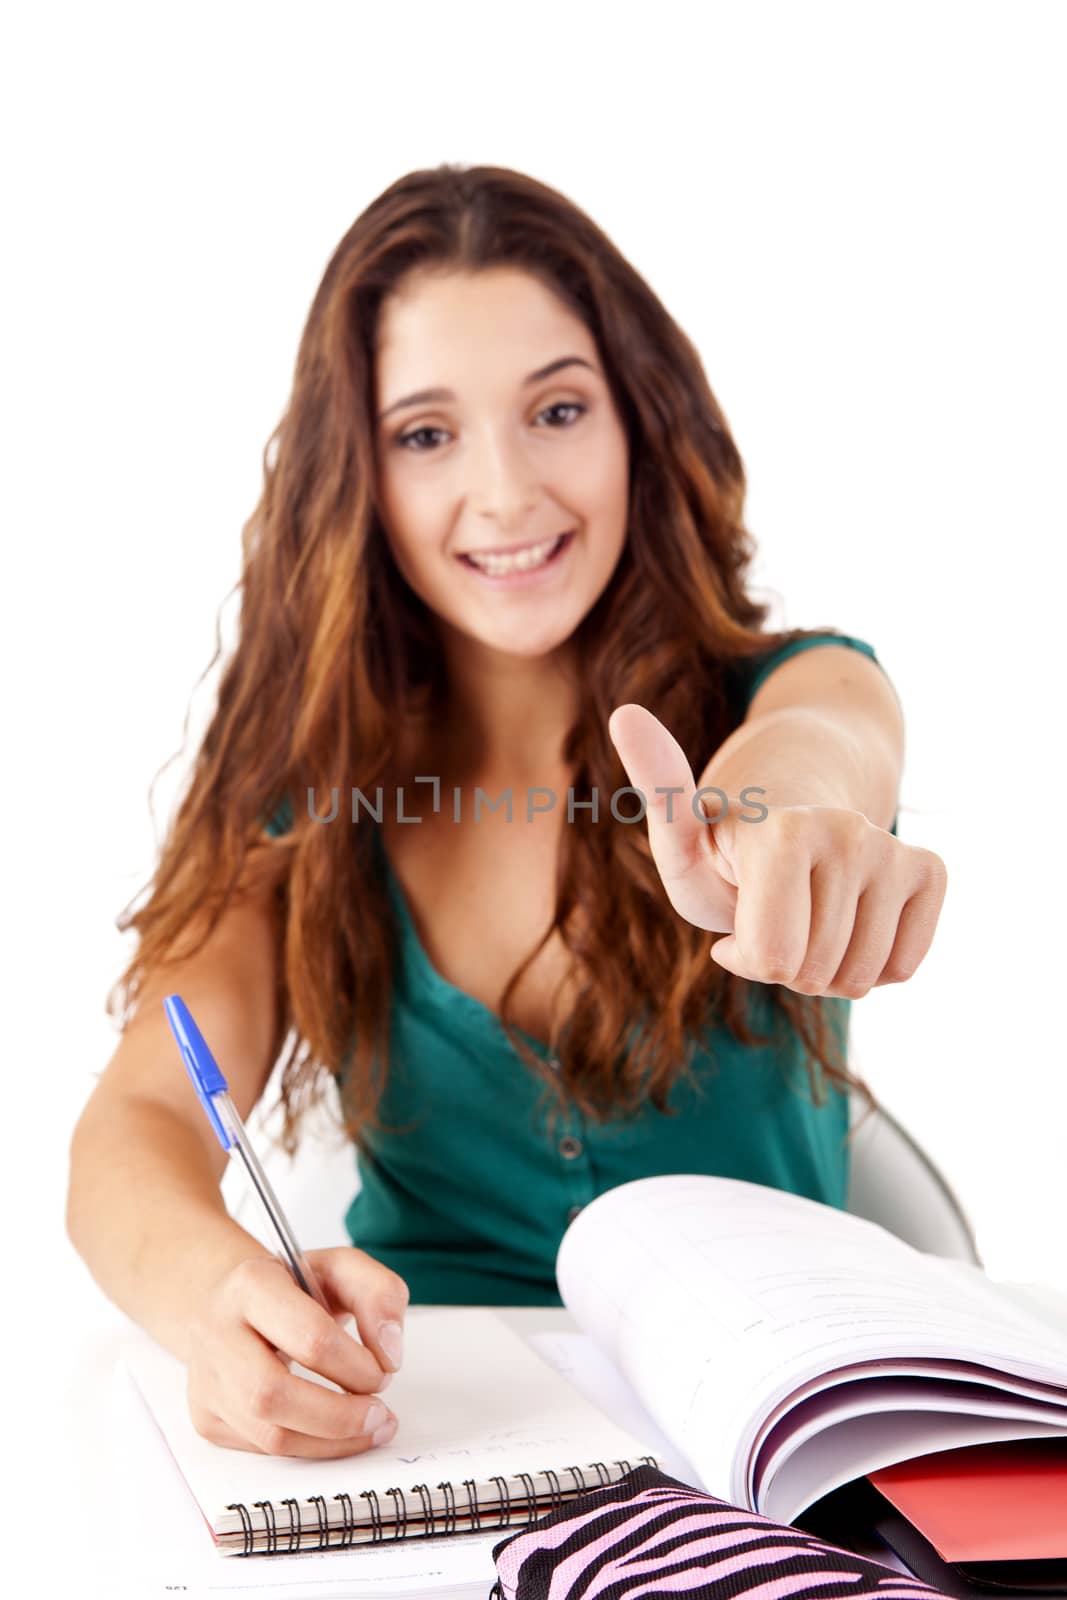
{"points": [[851, 208]]}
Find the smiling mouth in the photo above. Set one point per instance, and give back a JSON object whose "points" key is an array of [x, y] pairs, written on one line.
{"points": [[523, 558]]}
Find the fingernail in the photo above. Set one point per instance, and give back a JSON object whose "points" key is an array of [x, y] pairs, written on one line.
{"points": [[376, 1415], [385, 1432], [387, 1379], [391, 1338]]}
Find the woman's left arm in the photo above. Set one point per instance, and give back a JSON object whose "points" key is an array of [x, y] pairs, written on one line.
{"points": [[815, 892], [825, 728]]}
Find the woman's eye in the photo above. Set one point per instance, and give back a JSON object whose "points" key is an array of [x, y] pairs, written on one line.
{"points": [[565, 405], [404, 440]]}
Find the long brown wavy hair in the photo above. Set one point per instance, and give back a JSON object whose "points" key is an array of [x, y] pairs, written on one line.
{"points": [[334, 649]]}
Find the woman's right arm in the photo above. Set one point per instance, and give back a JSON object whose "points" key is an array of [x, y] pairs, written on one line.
{"points": [[145, 1212]]}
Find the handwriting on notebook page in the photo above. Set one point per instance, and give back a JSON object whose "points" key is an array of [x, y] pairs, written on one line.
{"points": [[519, 1442]]}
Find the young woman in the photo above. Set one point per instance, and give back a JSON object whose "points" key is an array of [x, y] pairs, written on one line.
{"points": [[499, 551]]}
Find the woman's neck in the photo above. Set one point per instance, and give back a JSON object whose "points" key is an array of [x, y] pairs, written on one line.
{"points": [[506, 718]]}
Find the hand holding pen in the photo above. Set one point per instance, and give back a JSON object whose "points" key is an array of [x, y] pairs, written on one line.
{"points": [[269, 1310]]}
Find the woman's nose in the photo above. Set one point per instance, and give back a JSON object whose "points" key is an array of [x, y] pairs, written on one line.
{"points": [[502, 483]]}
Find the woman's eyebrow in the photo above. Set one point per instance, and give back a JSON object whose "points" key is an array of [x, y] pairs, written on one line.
{"points": [[423, 396]]}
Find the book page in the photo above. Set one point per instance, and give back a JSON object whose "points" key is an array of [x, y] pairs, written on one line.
{"points": [[585, 1365], [716, 1298], [858, 1445], [472, 1398], [875, 1386], [842, 1433]]}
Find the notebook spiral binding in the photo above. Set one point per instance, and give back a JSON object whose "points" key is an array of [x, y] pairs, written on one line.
{"points": [[293, 1532]]}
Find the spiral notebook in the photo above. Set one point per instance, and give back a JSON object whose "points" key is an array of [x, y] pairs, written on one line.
{"points": [[490, 1436]]}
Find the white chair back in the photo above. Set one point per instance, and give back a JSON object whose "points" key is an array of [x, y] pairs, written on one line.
{"points": [[894, 1182]]}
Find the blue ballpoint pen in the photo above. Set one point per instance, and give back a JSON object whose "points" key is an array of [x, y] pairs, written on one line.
{"points": [[214, 1096]]}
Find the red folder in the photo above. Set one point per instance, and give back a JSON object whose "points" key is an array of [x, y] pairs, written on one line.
{"points": [[985, 1502]]}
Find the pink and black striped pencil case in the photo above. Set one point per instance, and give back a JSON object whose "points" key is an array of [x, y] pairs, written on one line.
{"points": [[647, 1534]]}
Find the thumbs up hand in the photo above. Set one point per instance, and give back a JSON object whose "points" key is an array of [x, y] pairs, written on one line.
{"points": [[817, 899]]}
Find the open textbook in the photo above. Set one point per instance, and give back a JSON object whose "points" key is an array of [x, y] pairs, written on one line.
{"points": [[777, 1347], [786, 1348]]}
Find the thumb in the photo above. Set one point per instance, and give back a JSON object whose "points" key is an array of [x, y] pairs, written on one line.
{"points": [[656, 764], [679, 837], [372, 1294]]}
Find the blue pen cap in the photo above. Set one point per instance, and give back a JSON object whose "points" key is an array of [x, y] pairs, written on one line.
{"points": [[200, 1064]]}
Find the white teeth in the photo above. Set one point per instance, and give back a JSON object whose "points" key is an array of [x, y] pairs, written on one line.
{"points": [[535, 556]]}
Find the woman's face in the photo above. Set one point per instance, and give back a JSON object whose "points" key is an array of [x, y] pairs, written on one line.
{"points": [[510, 460]]}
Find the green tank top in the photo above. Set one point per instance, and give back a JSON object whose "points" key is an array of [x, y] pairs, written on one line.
{"points": [[469, 1203]]}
